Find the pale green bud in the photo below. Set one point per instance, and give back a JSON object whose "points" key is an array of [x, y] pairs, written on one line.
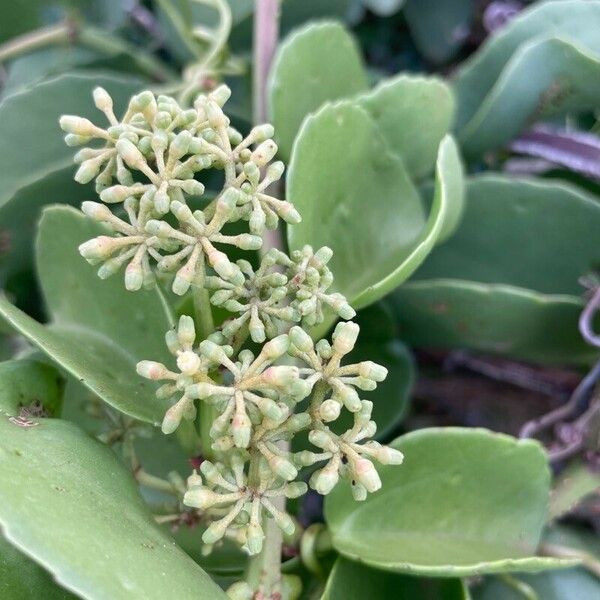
{"points": [[282, 467], [254, 538], [349, 396], [241, 430], [192, 187], [102, 99], [359, 492], [246, 241], [260, 133], [180, 145], [321, 440], [366, 474], [173, 417], [325, 480], [275, 171], [130, 153], [329, 410], [152, 370], [300, 339], [186, 330], [285, 522], [220, 94], [162, 119], [323, 255], [389, 456], [344, 337], [280, 376], [72, 139], [305, 458], [201, 497], [295, 489], [99, 248], [87, 171], [95, 210], [134, 277], [214, 532], [116, 193], [276, 347], [371, 370], [78, 126]]}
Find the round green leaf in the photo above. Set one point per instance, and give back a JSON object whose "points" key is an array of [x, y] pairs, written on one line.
{"points": [[465, 501], [413, 114], [99, 330], [67, 502], [23, 579], [537, 235], [315, 64], [545, 61], [352, 581], [501, 319], [357, 198], [27, 382]]}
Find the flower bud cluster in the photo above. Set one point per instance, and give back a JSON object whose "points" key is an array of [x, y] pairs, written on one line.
{"points": [[148, 162]]}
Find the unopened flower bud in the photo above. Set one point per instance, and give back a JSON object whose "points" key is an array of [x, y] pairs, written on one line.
{"points": [[389, 456], [102, 100], [134, 276], [344, 337], [173, 416], [295, 489], [152, 370], [220, 94], [214, 532], [264, 153], [276, 347], [260, 133], [371, 370], [95, 210], [79, 126], [325, 480], [300, 339], [186, 330], [130, 153], [254, 538], [98, 248], [188, 363], [366, 474], [329, 410]]}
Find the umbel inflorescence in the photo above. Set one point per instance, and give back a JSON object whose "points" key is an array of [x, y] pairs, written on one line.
{"points": [[146, 164]]}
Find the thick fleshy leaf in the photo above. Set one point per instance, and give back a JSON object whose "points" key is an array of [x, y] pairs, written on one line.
{"points": [[501, 319], [413, 113], [67, 502], [369, 213], [566, 584], [465, 501], [577, 481], [545, 61], [29, 385], [99, 331], [352, 581], [504, 223], [314, 65], [23, 579], [439, 29]]}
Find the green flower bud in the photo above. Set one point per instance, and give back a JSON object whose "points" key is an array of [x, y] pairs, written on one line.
{"points": [[186, 330], [329, 410], [254, 538], [365, 473], [371, 370], [276, 347], [130, 153], [240, 590], [79, 126], [295, 489], [325, 480], [260, 133], [300, 339], [134, 277], [152, 370], [344, 337]]}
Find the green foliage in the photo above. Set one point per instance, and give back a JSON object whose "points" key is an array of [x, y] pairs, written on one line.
{"points": [[468, 502], [352, 581], [29, 387], [99, 330], [543, 63], [379, 217], [94, 534], [301, 81]]}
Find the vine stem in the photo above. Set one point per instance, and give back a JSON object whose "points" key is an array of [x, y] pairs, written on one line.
{"points": [[69, 31], [264, 570]]}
